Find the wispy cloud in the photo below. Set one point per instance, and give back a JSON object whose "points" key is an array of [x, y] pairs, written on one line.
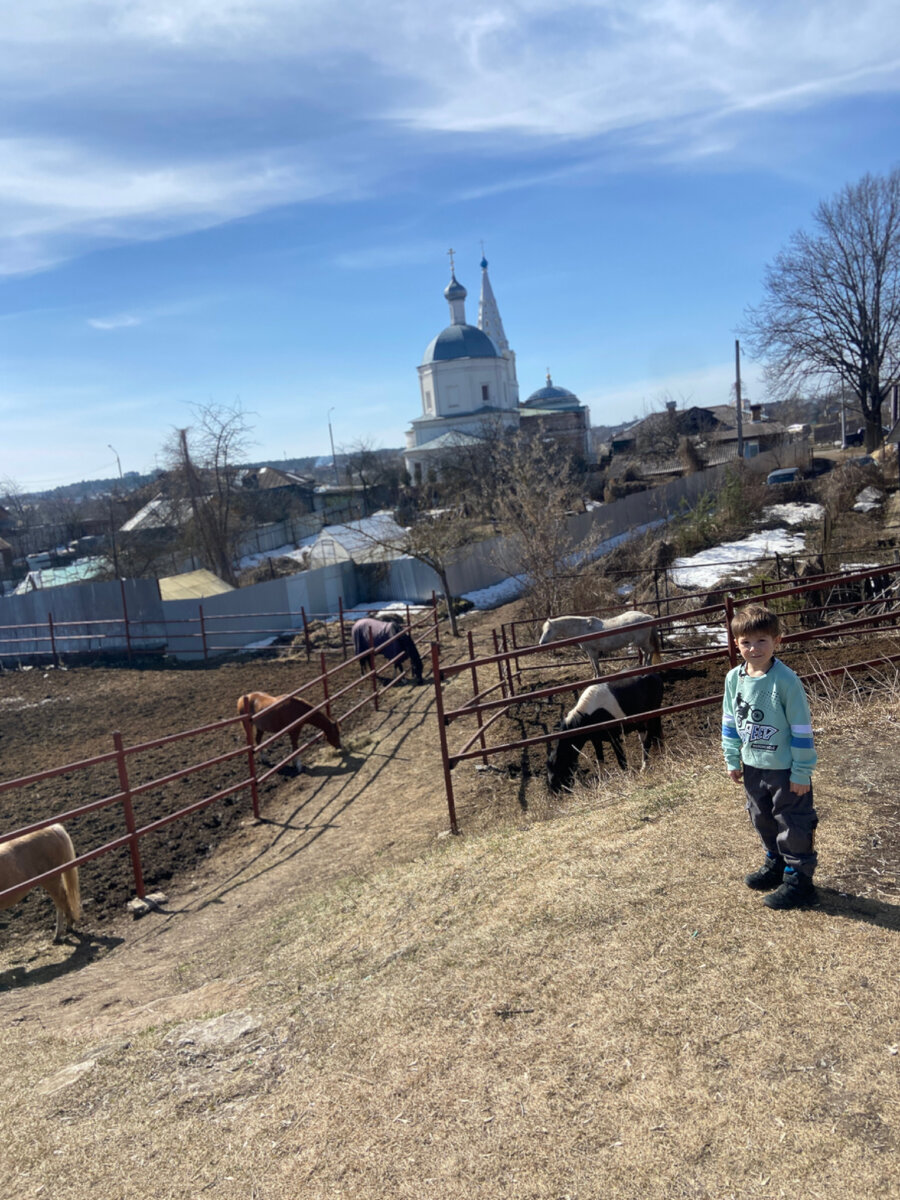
{"points": [[125, 321], [54, 195], [164, 116]]}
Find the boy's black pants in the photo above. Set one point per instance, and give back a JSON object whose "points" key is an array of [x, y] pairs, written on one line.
{"points": [[785, 822]]}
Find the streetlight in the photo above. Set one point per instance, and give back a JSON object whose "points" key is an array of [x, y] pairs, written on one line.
{"points": [[117, 457], [331, 439]]}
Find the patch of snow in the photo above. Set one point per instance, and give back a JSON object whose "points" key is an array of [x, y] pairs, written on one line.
{"points": [[715, 635], [793, 514], [868, 500], [298, 552], [496, 594], [704, 570]]}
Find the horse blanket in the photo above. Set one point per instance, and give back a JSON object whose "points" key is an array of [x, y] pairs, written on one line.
{"points": [[384, 637]]}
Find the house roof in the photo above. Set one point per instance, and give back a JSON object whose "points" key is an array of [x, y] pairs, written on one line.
{"points": [[192, 585], [275, 477], [162, 512], [750, 429], [369, 540]]}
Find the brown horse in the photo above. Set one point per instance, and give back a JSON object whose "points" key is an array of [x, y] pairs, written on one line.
{"points": [[24, 858], [272, 714]]}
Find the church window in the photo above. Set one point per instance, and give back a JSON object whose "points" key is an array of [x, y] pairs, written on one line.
{"points": [[428, 404], [485, 393]]}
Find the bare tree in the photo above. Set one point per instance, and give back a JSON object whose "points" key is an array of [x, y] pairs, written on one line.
{"points": [[204, 461], [832, 299], [536, 490]]}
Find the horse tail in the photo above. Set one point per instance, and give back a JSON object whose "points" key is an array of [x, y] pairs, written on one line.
{"points": [[71, 888], [415, 659], [655, 647]]}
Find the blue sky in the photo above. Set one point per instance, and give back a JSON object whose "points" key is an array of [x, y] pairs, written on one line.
{"points": [[219, 200]]}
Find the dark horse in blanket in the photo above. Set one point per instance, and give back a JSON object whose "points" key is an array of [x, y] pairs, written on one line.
{"points": [[389, 639]]}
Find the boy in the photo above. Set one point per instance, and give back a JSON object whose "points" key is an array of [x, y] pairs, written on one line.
{"points": [[766, 726]]}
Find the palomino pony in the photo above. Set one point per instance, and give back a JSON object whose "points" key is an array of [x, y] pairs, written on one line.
{"points": [[30, 855], [272, 714], [646, 640], [606, 702], [387, 638]]}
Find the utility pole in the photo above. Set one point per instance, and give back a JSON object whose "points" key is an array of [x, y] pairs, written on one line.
{"points": [[333, 459], [739, 403]]}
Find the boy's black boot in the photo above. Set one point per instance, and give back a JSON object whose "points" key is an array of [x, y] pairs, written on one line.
{"points": [[796, 891], [768, 876]]}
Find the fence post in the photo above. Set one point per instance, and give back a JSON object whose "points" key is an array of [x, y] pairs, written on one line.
{"points": [[434, 613], [52, 639], [442, 732], [341, 620], [251, 763], [128, 809], [125, 615], [476, 694], [509, 678], [503, 691], [515, 646], [305, 633], [324, 676], [374, 674], [729, 613], [656, 590], [203, 632]]}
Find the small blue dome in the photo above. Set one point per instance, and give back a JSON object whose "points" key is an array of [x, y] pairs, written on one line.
{"points": [[455, 290], [552, 397], [460, 341]]}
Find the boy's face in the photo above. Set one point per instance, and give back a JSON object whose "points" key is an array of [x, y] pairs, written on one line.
{"points": [[758, 649]]}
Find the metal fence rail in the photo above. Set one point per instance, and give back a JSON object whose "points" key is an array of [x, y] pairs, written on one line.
{"points": [[486, 708], [423, 631]]}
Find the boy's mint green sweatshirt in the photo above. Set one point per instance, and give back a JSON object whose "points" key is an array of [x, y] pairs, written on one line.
{"points": [[766, 722]]}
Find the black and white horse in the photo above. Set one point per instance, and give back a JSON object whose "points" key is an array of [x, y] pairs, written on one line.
{"points": [[606, 702]]}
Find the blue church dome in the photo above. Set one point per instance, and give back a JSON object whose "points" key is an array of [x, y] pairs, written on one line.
{"points": [[552, 397], [455, 290], [459, 341]]}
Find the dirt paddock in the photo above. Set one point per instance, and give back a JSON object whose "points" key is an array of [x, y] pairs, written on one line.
{"points": [[53, 716]]}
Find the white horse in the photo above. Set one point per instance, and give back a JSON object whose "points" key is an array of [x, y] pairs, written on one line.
{"points": [[645, 640], [24, 858]]}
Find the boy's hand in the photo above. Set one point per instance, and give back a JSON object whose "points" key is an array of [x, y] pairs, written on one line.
{"points": [[799, 789], [736, 774]]}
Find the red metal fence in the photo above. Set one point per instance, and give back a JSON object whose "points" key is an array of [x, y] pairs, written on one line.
{"points": [[331, 692], [489, 702]]}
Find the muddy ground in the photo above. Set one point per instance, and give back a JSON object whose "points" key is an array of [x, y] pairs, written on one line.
{"points": [[56, 716]]}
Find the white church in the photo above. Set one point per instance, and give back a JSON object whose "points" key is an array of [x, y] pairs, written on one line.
{"points": [[468, 385]]}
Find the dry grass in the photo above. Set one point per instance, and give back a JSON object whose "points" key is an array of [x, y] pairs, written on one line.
{"points": [[587, 1005]]}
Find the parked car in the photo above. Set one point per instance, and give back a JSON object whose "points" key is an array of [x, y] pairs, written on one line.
{"points": [[784, 475]]}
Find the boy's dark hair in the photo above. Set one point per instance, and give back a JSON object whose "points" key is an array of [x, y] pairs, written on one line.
{"points": [[755, 618]]}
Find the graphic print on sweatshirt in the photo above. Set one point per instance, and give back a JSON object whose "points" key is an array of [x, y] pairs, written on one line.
{"points": [[750, 727]]}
